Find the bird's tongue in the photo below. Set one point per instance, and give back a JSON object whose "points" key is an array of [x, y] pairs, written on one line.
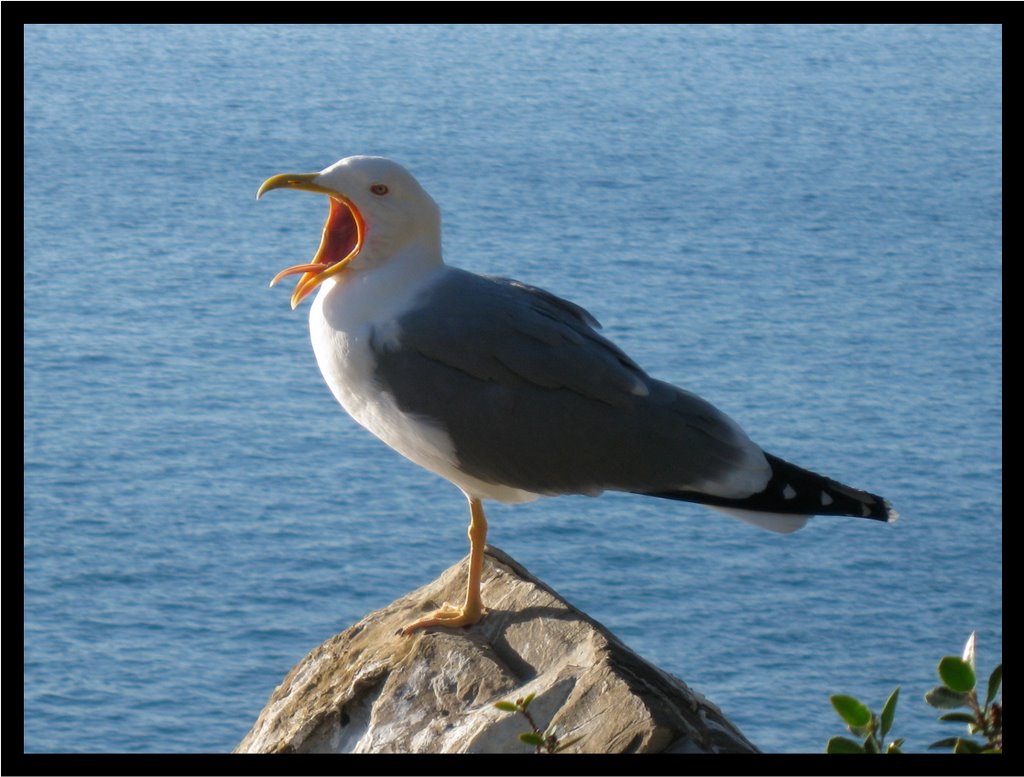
{"points": [[339, 237], [339, 242]]}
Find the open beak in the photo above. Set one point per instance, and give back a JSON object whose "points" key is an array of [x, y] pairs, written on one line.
{"points": [[342, 238]]}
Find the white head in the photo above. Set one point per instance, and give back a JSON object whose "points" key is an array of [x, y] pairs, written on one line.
{"points": [[377, 209]]}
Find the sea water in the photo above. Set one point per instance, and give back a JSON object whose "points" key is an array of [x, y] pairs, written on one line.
{"points": [[800, 223]]}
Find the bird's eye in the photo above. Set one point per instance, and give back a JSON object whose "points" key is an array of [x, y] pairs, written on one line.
{"points": [[379, 189]]}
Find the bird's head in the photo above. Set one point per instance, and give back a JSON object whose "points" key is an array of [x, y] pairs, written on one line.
{"points": [[376, 208]]}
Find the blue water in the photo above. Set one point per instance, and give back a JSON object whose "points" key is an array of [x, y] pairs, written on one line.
{"points": [[800, 223]]}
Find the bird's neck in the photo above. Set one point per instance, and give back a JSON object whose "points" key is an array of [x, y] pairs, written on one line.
{"points": [[368, 292], [400, 264], [414, 245]]}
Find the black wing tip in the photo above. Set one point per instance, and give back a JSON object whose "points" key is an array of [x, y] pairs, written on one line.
{"points": [[879, 509], [796, 491], [835, 498]]}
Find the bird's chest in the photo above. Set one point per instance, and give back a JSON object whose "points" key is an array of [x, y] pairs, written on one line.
{"points": [[343, 345], [347, 364]]}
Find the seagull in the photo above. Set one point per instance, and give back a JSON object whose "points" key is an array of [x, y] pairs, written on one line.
{"points": [[506, 390]]}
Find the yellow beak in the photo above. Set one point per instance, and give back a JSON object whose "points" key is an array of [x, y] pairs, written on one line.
{"points": [[344, 229]]}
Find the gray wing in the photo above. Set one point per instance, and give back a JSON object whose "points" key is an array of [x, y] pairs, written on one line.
{"points": [[534, 398]]}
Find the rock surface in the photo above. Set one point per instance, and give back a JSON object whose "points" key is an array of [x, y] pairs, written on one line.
{"points": [[369, 689]]}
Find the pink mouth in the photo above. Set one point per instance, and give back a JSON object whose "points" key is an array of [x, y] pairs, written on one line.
{"points": [[341, 242]]}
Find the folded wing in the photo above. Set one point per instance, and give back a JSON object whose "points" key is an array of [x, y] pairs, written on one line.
{"points": [[533, 397]]}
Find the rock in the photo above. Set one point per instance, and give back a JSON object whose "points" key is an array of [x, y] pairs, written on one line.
{"points": [[370, 689]]}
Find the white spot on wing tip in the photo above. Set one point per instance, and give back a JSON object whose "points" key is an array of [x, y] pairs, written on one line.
{"points": [[826, 500], [639, 389], [891, 515], [788, 492]]}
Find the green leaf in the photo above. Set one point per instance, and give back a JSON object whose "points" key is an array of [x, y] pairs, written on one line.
{"points": [[966, 746], [528, 699], [994, 681], [957, 674], [870, 745], [506, 706], [851, 710], [889, 711], [865, 731], [958, 717], [949, 742], [944, 699], [530, 738], [895, 746], [843, 745]]}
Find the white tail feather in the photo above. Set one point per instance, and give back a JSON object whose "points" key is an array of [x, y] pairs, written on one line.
{"points": [[778, 522]]}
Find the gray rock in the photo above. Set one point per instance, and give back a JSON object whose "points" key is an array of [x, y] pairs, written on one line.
{"points": [[370, 689]]}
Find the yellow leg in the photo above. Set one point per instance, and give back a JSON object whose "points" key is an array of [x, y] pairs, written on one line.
{"points": [[473, 610]]}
